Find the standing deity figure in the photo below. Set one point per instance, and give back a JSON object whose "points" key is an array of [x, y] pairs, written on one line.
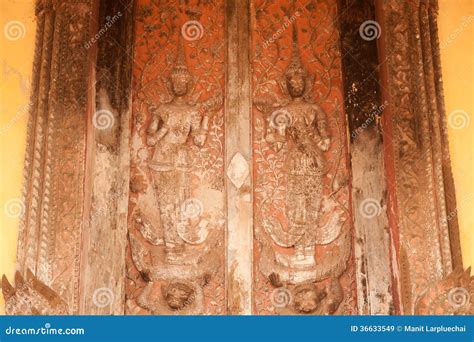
{"points": [[300, 126], [179, 259], [171, 126]]}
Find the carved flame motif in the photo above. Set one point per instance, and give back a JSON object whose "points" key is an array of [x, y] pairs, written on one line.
{"points": [[31, 297], [452, 295]]}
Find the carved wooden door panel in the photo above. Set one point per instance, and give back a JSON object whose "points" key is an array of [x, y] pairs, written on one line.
{"points": [[303, 225], [239, 199], [217, 180], [176, 212]]}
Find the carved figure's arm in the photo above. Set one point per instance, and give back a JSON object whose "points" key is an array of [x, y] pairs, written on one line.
{"points": [[199, 128], [154, 133], [321, 125], [275, 138]]}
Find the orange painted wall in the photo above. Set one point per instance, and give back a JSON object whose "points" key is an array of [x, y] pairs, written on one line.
{"points": [[456, 31], [17, 35], [456, 24]]}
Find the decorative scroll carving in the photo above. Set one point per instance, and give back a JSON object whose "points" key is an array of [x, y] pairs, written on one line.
{"points": [[301, 193], [176, 205], [50, 230], [418, 137], [31, 297], [452, 295]]}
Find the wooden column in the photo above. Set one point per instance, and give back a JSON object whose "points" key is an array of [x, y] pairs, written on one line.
{"points": [[108, 162], [49, 241], [238, 160], [364, 108], [415, 130]]}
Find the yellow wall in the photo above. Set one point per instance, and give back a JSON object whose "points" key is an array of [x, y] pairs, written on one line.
{"points": [[456, 37], [17, 32], [456, 28]]}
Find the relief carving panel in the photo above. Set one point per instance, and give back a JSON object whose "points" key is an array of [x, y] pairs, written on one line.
{"points": [[247, 212], [176, 209], [425, 250], [50, 230], [303, 232]]}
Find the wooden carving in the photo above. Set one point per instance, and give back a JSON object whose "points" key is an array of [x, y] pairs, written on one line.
{"points": [[31, 297], [419, 151], [50, 229], [452, 295], [364, 109], [301, 188], [176, 206], [223, 184]]}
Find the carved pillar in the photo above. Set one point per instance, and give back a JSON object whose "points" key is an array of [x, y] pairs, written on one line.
{"points": [[238, 157], [364, 108], [108, 165], [418, 170], [50, 231]]}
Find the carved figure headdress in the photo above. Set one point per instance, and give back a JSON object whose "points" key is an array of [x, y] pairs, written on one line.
{"points": [[180, 67], [296, 65]]}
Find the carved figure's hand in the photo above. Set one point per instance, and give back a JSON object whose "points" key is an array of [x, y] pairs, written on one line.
{"points": [[324, 144], [151, 140], [200, 139], [275, 280], [276, 140]]}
